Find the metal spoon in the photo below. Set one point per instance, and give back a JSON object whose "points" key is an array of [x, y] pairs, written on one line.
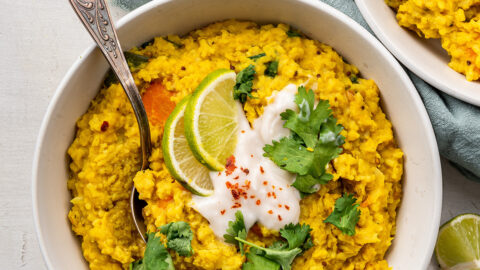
{"points": [[95, 16]]}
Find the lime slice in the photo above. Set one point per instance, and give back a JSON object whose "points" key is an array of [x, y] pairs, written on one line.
{"points": [[211, 119], [458, 243], [180, 161]]}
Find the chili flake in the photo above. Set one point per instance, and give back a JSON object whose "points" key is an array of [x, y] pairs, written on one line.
{"points": [[287, 207], [279, 218], [104, 126], [230, 165], [270, 212], [261, 170], [265, 183], [222, 212], [258, 202]]}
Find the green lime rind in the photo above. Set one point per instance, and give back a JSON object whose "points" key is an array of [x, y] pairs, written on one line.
{"points": [[170, 158], [192, 110], [458, 243]]}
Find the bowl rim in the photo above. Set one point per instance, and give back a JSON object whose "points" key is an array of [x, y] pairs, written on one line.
{"points": [[316, 4]]}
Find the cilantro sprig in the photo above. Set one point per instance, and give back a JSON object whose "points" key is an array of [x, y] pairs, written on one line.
{"points": [[345, 215], [156, 257], [179, 237], [314, 142], [236, 229], [244, 83], [281, 253]]}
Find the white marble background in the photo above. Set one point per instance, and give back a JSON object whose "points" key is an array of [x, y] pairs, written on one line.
{"points": [[39, 41]]}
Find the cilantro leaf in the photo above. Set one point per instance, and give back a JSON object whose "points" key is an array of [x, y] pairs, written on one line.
{"points": [[258, 262], [296, 235], [354, 79], [345, 215], [255, 57], [236, 229], [281, 252], [244, 83], [290, 155], [315, 141], [293, 33], [307, 122], [272, 68], [179, 237], [156, 256]]}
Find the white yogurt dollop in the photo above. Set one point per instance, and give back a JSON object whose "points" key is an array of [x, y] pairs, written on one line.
{"points": [[252, 183]]}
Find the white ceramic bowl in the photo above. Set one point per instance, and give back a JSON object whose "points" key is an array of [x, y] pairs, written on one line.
{"points": [[426, 58], [419, 214]]}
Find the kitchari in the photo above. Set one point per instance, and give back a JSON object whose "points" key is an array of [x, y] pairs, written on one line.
{"points": [[455, 22], [269, 152]]}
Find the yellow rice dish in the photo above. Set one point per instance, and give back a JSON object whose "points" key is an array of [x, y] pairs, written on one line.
{"points": [[105, 153], [455, 22]]}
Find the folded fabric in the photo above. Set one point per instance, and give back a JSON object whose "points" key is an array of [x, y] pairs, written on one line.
{"points": [[456, 123]]}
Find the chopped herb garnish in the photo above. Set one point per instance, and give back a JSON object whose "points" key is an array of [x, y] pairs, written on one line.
{"points": [[314, 142], [345, 215], [272, 68], [179, 237], [236, 229], [135, 61], [176, 44], [147, 43], [156, 256], [244, 83], [255, 57], [293, 33], [354, 79], [281, 253]]}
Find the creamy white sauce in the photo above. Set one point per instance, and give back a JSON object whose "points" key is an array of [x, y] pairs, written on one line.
{"points": [[263, 193]]}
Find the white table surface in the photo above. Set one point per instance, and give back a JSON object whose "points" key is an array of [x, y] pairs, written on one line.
{"points": [[39, 41]]}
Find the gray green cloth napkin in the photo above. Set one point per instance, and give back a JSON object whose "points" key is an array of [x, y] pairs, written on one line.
{"points": [[456, 123]]}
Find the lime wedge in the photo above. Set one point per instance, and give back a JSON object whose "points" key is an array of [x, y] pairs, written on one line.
{"points": [[458, 243], [211, 119], [180, 161]]}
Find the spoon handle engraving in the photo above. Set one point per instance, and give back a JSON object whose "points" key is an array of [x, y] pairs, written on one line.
{"points": [[95, 16]]}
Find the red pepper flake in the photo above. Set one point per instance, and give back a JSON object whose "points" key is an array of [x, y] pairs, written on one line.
{"points": [[274, 195], [222, 212], [230, 165], [237, 205], [252, 196], [269, 194], [236, 177], [265, 183], [279, 218], [247, 184], [287, 207], [258, 202], [243, 131], [219, 173], [261, 170], [251, 156], [246, 171], [280, 206], [270, 212], [104, 126]]}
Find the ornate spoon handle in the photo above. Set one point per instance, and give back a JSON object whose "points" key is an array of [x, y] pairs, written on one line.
{"points": [[96, 18]]}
